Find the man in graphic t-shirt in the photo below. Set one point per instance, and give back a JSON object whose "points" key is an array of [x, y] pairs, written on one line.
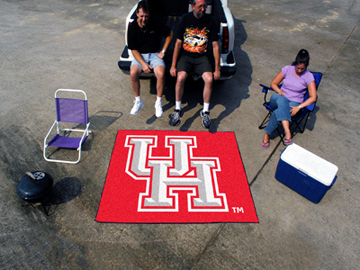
{"points": [[197, 34], [144, 41]]}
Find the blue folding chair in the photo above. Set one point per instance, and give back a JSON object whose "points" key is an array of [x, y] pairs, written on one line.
{"points": [[69, 111], [297, 119]]}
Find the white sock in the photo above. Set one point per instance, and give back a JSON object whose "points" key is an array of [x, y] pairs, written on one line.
{"points": [[206, 107], [138, 98], [178, 105], [158, 99]]}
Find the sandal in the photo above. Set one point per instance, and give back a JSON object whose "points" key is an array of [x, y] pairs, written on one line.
{"points": [[265, 145], [288, 141]]}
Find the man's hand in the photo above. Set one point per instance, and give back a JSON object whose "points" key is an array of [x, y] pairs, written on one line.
{"points": [[146, 68], [173, 71], [161, 55], [216, 75]]}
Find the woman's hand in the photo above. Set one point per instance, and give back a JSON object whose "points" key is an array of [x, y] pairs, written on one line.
{"points": [[281, 93], [294, 110]]}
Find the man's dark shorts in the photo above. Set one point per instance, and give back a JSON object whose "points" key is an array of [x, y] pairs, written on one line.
{"points": [[199, 64]]}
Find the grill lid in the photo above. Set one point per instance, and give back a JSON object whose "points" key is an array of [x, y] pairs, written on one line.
{"points": [[35, 186]]}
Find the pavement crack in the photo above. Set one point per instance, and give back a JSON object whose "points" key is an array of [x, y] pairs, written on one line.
{"points": [[265, 163], [342, 46], [208, 245], [350, 7]]}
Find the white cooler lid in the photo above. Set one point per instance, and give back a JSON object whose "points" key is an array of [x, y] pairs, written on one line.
{"points": [[310, 164]]}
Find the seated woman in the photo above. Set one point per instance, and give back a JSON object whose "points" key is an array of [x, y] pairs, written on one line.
{"points": [[288, 100]]}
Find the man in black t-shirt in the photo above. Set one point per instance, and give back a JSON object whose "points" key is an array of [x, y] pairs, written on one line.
{"points": [[144, 41], [197, 34]]}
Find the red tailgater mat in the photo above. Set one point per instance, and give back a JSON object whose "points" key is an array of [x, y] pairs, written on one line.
{"points": [[176, 177]]}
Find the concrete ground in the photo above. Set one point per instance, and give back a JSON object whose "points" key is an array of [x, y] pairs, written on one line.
{"points": [[46, 45]]}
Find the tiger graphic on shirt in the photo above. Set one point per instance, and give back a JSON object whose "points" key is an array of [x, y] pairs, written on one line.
{"points": [[196, 40]]}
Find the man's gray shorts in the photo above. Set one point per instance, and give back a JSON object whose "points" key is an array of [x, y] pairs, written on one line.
{"points": [[151, 58]]}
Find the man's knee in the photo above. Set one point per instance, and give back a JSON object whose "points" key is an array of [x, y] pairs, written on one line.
{"points": [[135, 72], [159, 72], [207, 77], [181, 77]]}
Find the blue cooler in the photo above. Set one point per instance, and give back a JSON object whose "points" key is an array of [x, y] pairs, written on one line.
{"points": [[306, 173]]}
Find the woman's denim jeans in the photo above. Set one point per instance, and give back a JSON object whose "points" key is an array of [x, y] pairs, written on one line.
{"points": [[281, 106]]}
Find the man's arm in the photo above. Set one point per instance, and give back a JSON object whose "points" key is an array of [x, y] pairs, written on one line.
{"points": [[132, 41], [217, 59], [166, 45], [145, 67], [176, 53]]}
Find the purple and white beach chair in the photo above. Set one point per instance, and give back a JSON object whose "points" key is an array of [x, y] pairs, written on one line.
{"points": [[69, 111]]}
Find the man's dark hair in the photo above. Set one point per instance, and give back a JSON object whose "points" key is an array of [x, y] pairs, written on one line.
{"points": [[144, 4], [302, 57]]}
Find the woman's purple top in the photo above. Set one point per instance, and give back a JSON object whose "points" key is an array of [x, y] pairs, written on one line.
{"points": [[294, 87]]}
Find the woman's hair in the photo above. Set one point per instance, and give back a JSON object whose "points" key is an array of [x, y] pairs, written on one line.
{"points": [[302, 57], [144, 4]]}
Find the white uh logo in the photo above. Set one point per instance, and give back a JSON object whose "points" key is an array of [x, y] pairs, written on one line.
{"points": [[167, 175]]}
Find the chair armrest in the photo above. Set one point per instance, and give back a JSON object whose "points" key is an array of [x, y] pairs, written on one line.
{"points": [[266, 90]]}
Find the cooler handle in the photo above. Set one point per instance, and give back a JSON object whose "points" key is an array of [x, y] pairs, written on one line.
{"points": [[302, 173]]}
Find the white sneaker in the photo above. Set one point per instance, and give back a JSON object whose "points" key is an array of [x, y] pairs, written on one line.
{"points": [[205, 117], [158, 109], [137, 106]]}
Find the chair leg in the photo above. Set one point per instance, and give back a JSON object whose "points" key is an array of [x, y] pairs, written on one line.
{"points": [[298, 123], [297, 126], [265, 121], [281, 135]]}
